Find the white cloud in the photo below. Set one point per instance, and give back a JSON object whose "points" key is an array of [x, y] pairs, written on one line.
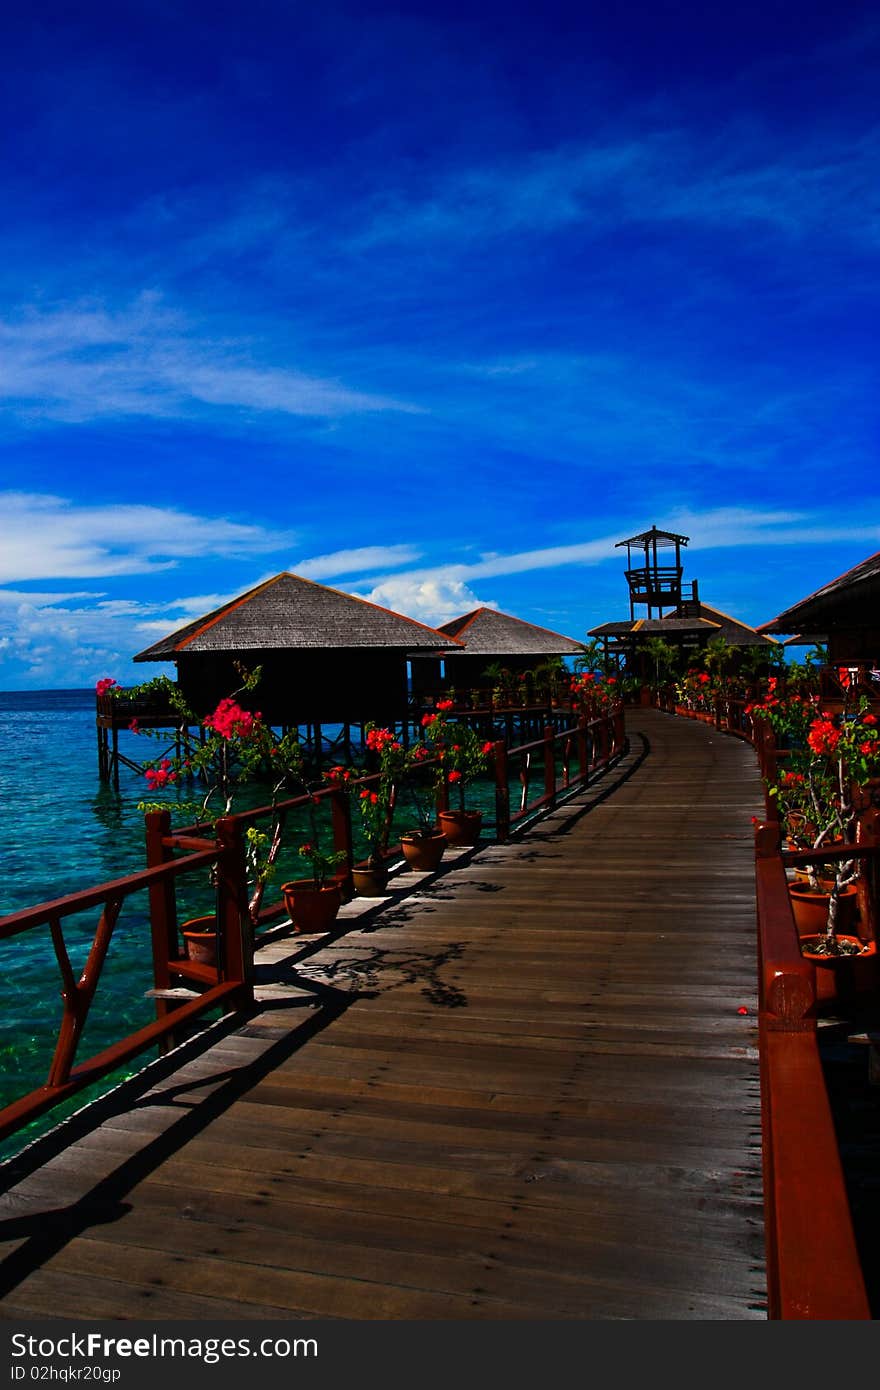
{"points": [[49, 537], [356, 561], [740, 526], [431, 600], [83, 362]]}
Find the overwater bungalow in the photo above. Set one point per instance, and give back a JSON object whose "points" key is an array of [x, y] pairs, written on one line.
{"points": [[485, 639], [325, 655], [845, 613]]}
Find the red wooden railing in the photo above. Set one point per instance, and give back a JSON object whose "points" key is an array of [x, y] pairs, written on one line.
{"points": [[173, 855], [226, 987], [582, 752], [813, 1265]]}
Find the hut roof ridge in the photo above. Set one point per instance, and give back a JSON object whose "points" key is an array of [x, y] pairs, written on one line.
{"points": [[544, 639], [276, 628]]}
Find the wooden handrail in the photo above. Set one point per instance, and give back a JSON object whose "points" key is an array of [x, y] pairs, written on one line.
{"points": [[66, 1075], [813, 1265], [812, 1259]]}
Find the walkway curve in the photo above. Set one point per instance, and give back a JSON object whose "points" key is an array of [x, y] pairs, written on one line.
{"points": [[526, 1090]]}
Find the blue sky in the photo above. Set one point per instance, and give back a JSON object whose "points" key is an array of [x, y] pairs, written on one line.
{"points": [[429, 302]]}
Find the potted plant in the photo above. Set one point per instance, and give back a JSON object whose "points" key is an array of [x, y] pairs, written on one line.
{"points": [[462, 756], [200, 933], [235, 747], [829, 756], [423, 845], [662, 657], [376, 802], [313, 903]]}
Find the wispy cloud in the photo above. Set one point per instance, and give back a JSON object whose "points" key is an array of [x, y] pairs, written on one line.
{"points": [[437, 594], [740, 176], [84, 362], [43, 537], [356, 561]]}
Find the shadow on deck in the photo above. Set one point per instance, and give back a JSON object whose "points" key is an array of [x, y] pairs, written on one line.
{"points": [[520, 1089]]}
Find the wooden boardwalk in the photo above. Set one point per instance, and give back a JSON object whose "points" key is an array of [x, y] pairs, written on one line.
{"points": [[521, 1091]]}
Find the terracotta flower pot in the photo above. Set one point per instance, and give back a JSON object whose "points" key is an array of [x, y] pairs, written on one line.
{"points": [[423, 852], [811, 909], [311, 908], [461, 827], [840, 978], [370, 881], [200, 939]]}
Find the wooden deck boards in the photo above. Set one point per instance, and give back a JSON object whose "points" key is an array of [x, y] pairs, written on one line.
{"points": [[523, 1091]]}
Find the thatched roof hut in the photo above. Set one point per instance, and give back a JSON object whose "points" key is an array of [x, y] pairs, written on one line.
{"points": [[691, 629], [734, 632], [845, 612], [325, 655], [492, 635], [486, 637]]}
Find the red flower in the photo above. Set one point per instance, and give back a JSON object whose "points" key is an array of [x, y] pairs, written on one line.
{"points": [[823, 736], [487, 748], [444, 704], [134, 727], [377, 739], [868, 747], [229, 720], [455, 776], [869, 719], [428, 720], [102, 686], [160, 776]]}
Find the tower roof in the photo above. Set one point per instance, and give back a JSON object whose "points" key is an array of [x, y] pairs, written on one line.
{"points": [[661, 538]]}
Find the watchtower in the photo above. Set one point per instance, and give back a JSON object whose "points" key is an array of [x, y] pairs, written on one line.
{"points": [[656, 585]]}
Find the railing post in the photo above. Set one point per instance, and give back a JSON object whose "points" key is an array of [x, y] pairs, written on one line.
{"points": [[549, 765], [619, 730], [502, 791], [340, 805], [604, 739], [235, 932], [163, 906], [583, 752]]}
